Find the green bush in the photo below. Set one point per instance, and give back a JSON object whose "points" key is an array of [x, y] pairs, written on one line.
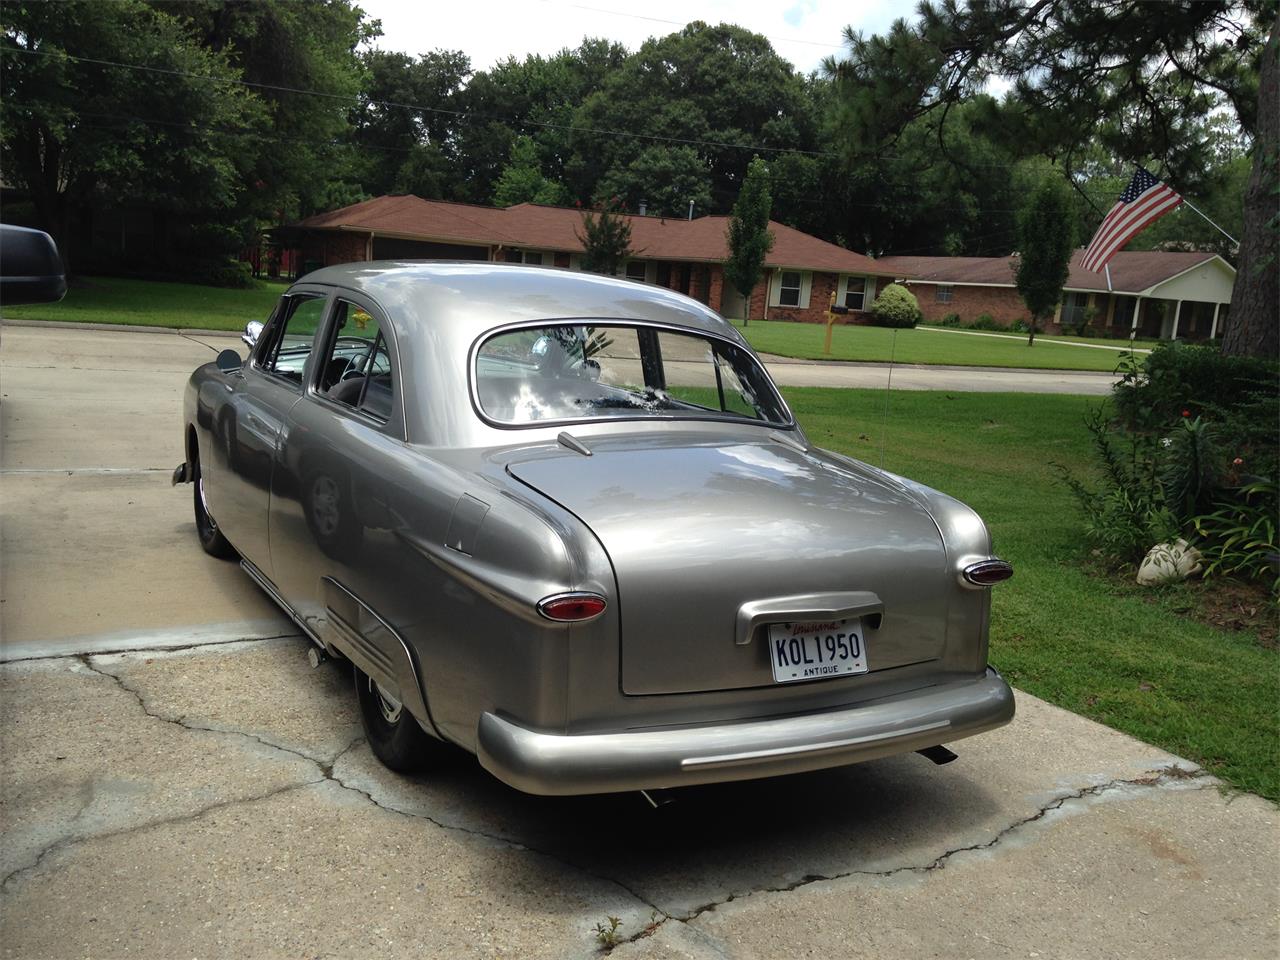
{"points": [[1240, 536], [1194, 451], [950, 320], [1179, 376], [985, 321], [1020, 326], [896, 306], [222, 273]]}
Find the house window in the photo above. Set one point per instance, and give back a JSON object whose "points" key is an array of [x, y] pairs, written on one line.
{"points": [[855, 292], [637, 270], [533, 258], [789, 289], [942, 293]]}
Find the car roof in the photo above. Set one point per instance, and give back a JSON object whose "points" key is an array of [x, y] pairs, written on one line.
{"points": [[470, 296]]}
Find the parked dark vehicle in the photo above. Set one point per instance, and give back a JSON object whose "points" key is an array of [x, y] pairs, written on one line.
{"points": [[30, 267], [568, 523]]}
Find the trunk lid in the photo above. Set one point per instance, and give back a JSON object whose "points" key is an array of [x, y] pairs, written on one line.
{"points": [[695, 528]]}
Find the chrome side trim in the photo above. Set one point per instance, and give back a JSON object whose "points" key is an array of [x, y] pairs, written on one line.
{"points": [[417, 696], [269, 588]]}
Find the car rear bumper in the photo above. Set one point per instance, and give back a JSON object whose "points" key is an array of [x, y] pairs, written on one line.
{"points": [[545, 763]]}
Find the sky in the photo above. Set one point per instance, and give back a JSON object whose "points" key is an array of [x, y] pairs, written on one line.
{"points": [[802, 31]]}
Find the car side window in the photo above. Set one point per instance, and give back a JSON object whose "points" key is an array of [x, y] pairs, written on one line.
{"points": [[298, 319], [357, 371]]}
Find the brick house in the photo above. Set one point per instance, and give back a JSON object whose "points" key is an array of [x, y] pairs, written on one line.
{"points": [[1157, 294], [801, 272]]}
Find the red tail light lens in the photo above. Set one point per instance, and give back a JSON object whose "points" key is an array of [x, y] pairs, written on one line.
{"points": [[572, 607], [986, 573]]}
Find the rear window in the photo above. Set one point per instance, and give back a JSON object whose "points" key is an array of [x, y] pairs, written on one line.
{"points": [[536, 375]]}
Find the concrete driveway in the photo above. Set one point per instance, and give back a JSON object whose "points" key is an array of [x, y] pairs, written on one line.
{"points": [[217, 800]]}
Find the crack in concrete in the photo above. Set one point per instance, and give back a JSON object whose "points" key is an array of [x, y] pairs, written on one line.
{"points": [[1155, 780], [325, 767], [14, 875]]}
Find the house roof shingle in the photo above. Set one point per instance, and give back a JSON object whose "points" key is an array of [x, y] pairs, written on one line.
{"points": [[1132, 271], [555, 228]]}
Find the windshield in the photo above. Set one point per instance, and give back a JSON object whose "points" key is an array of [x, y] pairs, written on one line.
{"points": [[578, 372]]}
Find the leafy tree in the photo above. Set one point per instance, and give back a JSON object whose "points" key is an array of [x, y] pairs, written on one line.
{"points": [[181, 136], [750, 239], [706, 85], [301, 59], [404, 127], [606, 237], [522, 180], [666, 178], [1138, 79], [1045, 245], [537, 97]]}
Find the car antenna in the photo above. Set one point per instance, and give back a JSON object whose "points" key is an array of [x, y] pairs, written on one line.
{"points": [[884, 427]]}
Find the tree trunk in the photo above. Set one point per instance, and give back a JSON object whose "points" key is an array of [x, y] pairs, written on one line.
{"points": [[746, 310], [1253, 326], [1031, 334]]}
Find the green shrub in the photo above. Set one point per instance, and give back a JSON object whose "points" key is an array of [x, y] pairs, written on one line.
{"points": [[896, 306], [1239, 538], [985, 321], [1020, 325], [1194, 452], [222, 273], [1179, 376], [950, 320]]}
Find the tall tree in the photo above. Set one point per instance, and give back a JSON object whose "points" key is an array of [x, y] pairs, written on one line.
{"points": [[750, 239], [107, 102], [1046, 240], [404, 127], [666, 178], [606, 239], [1138, 79], [1252, 329], [522, 180]]}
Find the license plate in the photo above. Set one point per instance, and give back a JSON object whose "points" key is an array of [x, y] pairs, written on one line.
{"points": [[816, 650]]}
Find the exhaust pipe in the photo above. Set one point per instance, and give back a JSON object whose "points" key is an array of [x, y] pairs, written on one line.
{"points": [[658, 798], [938, 754]]}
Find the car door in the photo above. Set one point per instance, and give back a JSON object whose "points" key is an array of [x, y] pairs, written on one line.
{"points": [[341, 473], [247, 428]]}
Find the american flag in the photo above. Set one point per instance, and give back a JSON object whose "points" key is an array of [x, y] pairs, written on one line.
{"points": [[1144, 201]]}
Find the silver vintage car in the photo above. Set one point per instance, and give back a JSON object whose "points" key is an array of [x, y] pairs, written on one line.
{"points": [[569, 524]]}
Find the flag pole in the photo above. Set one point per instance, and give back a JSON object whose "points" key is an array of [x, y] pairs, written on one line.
{"points": [[1107, 267], [1210, 222]]}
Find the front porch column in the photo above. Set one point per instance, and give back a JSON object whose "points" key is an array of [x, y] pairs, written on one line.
{"points": [[1137, 315], [1111, 310], [1213, 328], [1177, 312]]}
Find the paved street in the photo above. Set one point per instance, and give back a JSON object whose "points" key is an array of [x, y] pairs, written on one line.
{"points": [[216, 799]]}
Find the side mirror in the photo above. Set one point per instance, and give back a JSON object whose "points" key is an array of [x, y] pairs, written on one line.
{"points": [[30, 268], [229, 361], [252, 331]]}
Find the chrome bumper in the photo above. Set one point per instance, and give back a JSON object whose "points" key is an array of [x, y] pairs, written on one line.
{"points": [[556, 764]]}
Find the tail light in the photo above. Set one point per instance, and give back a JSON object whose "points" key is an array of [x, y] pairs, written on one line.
{"points": [[987, 573], [572, 607]]}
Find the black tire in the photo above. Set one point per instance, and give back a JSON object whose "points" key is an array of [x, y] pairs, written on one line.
{"points": [[210, 537], [394, 735]]}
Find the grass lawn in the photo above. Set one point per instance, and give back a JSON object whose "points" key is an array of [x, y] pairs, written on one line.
{"points": [[1120, 655], [152, 303], [921, 346]]}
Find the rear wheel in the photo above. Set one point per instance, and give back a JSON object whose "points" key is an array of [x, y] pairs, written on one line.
{"points": [[211, 538], [394, 735]]}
